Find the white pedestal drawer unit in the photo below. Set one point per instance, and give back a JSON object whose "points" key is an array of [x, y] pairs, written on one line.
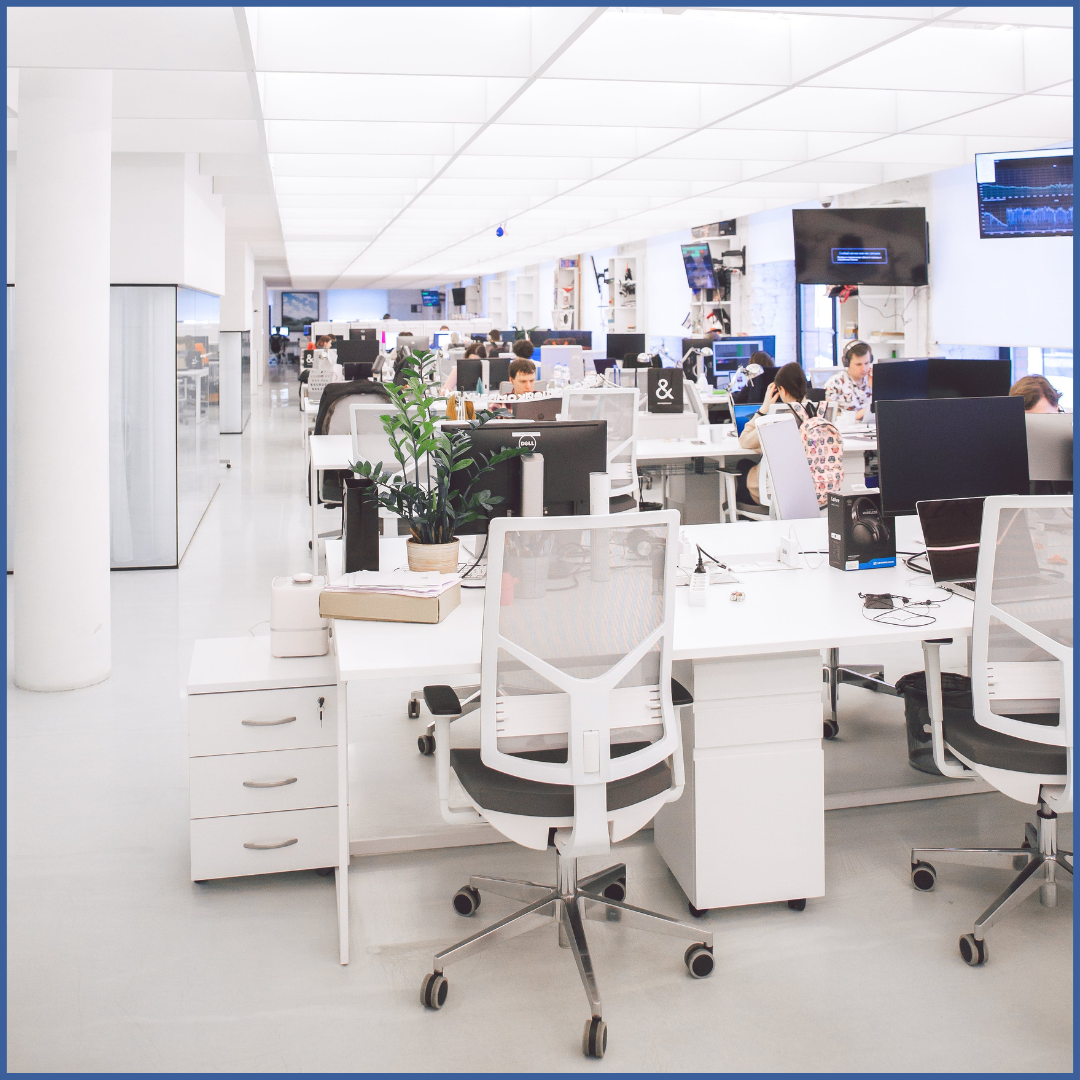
{"points": [[267, 765]]}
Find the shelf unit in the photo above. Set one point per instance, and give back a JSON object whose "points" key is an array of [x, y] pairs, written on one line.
{"points": [[622, 295], [496, 302], [528, 307], [567, 289]]}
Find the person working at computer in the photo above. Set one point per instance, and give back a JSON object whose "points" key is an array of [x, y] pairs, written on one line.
{"points": [[476, 349], [789, 386], [522, 376], [852, 388], [402, 355], [753, 393], [1038, 394]]}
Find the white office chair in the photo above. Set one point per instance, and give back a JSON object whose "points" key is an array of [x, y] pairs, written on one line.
{"points": [[619, 407], [579, 741], [1021, 737]]}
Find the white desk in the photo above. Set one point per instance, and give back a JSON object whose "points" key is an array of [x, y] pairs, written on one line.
{"points": [[750, 828]]}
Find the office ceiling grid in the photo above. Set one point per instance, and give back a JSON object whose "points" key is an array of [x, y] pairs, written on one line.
{"points": [[390, 158]]}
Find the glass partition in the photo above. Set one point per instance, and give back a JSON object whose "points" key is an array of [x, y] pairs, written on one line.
{"points": [[197, 394], [10, 422], [142, 425]]}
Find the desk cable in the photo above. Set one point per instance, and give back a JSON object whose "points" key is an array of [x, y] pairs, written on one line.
{"points": [[889, 613]]}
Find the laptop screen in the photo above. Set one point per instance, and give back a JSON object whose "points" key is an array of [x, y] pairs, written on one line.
{"points": [[951, 529]]}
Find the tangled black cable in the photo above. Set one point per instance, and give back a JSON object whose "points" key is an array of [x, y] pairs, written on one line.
{"points": [[902, 615]]}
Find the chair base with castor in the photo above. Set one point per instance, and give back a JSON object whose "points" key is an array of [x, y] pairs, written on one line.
{"points": [[1038, 859], [567, 905], [869, 676]]}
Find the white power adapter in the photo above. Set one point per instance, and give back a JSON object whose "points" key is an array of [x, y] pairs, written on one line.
{"points": [[788, 550]]}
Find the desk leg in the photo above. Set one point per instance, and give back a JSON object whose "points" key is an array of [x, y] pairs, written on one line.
{"points": [[832, 663], [313, 473], [341, 875]]}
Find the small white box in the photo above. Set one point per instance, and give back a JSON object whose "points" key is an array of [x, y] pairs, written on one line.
{"points": [[296, 626]]}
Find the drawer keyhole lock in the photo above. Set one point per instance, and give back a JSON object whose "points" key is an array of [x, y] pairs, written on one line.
{"points": [[322, 702]]}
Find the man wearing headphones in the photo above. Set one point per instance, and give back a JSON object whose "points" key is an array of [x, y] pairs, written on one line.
{"points": [[852, 388]]}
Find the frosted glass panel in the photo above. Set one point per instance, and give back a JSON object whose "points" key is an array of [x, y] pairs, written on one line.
{"points": [[197, 393], [142, 425]]}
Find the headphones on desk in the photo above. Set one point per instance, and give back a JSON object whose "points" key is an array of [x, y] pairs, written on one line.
{"points": [[849, 348], [866, 525]]}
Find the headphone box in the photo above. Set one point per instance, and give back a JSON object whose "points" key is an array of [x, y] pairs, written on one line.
{"points": [[860, 537]]}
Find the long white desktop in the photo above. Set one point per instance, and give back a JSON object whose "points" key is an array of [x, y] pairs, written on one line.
{"points": [[753, 737]]}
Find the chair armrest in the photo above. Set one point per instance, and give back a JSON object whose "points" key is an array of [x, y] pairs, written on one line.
{"points": [[680, 695], [442, 701]]}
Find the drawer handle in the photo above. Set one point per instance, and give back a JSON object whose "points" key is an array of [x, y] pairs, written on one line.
{"points": [[268, 723], [270, 783], [251, 846]]}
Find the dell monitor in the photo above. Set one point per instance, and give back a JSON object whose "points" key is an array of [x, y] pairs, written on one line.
{"points": [[572, 449], [883, 245], [618, 345], [939, 377], [958, 448]]}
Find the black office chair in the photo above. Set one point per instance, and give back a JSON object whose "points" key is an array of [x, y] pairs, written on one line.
{"points": [[333, 419]]}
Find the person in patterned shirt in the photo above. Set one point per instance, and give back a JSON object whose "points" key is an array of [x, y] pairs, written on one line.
{"points": [[852, 388]]}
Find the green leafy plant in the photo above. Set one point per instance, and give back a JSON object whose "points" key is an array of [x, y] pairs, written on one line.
{"points": [[420, 489]]}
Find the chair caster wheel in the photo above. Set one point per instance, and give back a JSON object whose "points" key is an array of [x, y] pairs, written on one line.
{"points": [[426, 745], [466, 900], [699, 961], [797, 905], [433, 990], [830, 729], [594, 1041], [923, 876], [973, 951], [698, 913], [325, 871], [616, 890], [414, 709]]}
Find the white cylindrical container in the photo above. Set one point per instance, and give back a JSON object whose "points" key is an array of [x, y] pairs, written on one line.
{"points": [[296, 627], [599, 493]]}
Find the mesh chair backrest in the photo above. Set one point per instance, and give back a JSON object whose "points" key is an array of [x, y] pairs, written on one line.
{"points": [[1021, 667], [320, 379], [619, 407], [577, 649]]}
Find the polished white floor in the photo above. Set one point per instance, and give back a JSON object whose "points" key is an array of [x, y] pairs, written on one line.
{"points": [[117, 962]]}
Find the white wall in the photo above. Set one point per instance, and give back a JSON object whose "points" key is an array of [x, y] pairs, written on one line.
{"points": [[168, 227], [355, 305], [1005, 291], [237, 300], [667, 296]]}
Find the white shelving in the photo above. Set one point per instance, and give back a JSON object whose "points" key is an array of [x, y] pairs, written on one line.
{"points": [[567, 290], [622, 295]]}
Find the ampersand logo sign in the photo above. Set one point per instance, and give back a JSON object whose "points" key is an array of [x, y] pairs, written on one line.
{"points": [[664, 391]]}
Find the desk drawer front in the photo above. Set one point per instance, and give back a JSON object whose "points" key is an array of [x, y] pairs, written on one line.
{"points": [[294, 840], [742, 721], [793, 673], [261, 783], [253, 720]]}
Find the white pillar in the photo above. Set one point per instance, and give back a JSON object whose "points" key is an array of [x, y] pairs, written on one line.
{"points": [[62, 222]]}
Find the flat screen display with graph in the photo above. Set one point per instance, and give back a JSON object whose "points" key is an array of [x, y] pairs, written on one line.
{"points": [[1027, 193]]}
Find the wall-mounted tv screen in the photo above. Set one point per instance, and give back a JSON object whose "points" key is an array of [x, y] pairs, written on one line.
{"points": [[429, 297], [299, 308], [699, 268], [884, 245], [1027, 193]]}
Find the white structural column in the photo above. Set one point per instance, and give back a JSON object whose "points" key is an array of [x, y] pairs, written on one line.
{"points": [[62, 222]]}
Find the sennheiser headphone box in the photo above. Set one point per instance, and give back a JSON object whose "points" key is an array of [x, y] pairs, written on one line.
{"points": [[860, 538]]}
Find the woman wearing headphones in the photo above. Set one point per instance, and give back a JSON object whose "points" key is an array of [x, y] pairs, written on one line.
{"points": [[852, 388]]}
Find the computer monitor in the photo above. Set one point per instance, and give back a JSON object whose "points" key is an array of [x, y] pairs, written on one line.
{"points": [[939, 377], [357, 350], [441, 340], [572, 449], [389, 339], [1050, 446], [618, 345], [416, 342], [498, 371], [729, 356], [478, 337], [458, 296], [469, 373], [570, 355], [562, 337], [357, 371], [958, 448]]}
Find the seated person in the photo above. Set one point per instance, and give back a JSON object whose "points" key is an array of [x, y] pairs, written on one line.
{"points": [[1038, 394], [753, 393], [789, 386], [473, 350], [324, 341], [852, 388], [523, 348], [522, 376], [495, 338]]}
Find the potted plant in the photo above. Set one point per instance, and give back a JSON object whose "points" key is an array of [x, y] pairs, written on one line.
{"points": [[419, 489]]}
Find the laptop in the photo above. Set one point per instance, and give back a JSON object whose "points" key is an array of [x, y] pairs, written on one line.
{"points": [[537, 408], [951, 529]]}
